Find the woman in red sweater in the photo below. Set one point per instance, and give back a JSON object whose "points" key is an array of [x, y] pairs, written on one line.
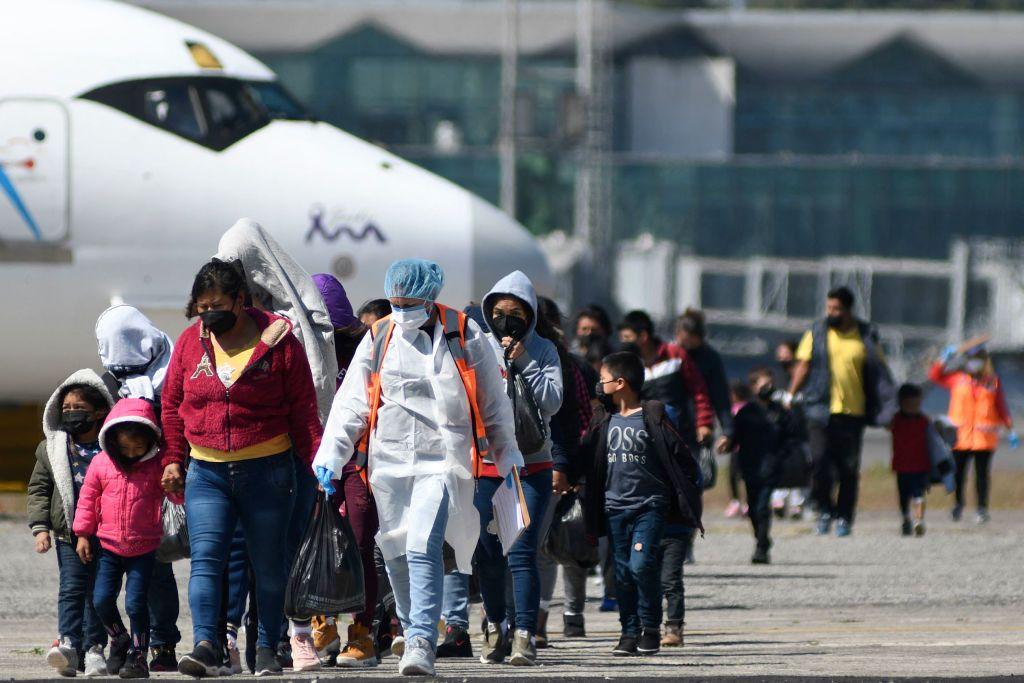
{"points": [[239, 399]]}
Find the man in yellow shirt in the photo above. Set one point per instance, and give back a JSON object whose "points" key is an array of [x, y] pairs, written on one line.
{"points": [[845, 385]]}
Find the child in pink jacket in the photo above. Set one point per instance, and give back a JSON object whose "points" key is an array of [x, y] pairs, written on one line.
{"points": [[121, 504]]}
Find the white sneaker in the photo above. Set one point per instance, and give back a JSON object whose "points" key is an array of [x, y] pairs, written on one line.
{"points": [[63, 657], [418, 659], [398, 646], [95, 663]]}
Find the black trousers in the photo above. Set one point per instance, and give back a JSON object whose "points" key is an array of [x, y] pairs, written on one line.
{"points": [[672, 554], [982, 475], [759, 502], [835, 456]]}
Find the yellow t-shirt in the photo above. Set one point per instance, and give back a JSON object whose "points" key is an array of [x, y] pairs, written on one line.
{"points": [[846, 355], [229, 366]]}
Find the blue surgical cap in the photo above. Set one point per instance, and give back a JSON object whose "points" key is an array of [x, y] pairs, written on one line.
{"points": [[414, 278]]}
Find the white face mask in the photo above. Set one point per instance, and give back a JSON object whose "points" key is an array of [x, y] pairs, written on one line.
{"points": [[974, 365], [411, 318]]}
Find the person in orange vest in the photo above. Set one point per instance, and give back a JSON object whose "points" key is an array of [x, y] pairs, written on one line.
{"points": [[977, 406], [421, 406]]}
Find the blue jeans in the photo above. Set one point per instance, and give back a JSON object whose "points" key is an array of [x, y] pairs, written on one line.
{"points": [[636, 540], [163, 606], [260, 493], [417, 580], [455, 611], [137, 572], [491, 563], [76, 616]]}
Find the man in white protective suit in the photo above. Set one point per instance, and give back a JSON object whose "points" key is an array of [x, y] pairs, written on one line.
{"points": [[421, 404]]}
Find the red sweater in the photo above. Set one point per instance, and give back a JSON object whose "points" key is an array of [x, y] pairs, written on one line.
{"points": [[704, 415], [910, 444], [273, 395]]}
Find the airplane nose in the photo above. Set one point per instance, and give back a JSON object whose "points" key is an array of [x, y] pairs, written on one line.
{"points": [[500, 246]]}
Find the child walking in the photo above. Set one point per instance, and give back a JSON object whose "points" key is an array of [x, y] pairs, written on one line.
{"points": [[910, 459], [71, 424], [121, 504], [642, 476]]}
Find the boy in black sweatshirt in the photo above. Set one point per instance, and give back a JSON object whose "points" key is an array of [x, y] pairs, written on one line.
{"points": [[755, 440], [640, 474]]}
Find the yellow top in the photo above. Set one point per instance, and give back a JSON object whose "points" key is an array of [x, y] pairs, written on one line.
{"points": [[846, 355], [230, 365]]}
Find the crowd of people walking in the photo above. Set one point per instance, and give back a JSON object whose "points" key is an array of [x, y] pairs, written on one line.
{"points": [[408, 415]]}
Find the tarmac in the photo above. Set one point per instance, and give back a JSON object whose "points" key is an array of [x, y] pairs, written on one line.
{"points": [[874, 606]]}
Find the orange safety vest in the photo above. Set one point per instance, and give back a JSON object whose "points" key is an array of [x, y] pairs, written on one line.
{"points": [[974, 407], [454, 323]]}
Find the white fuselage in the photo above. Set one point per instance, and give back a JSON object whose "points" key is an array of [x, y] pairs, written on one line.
{"points": [[120, 208]]}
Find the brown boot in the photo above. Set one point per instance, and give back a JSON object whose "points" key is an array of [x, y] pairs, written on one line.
{"points": [[359, 650], [673, 636], [540, 638]]}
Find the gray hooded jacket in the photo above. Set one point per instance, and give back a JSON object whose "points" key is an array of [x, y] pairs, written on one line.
{"points": [[51, 492], [126, 337], [539, 365]]}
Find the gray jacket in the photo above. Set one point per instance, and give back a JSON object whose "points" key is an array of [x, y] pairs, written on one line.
{"points": [[539, 365], [51, 492]]}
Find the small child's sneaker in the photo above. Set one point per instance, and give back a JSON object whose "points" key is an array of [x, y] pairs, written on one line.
{"points": [[95, 663], [733, 509], [908, 527], [63, 657], [919, 528], [135, 665]]}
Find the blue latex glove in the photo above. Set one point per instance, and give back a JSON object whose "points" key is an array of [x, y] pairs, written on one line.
{"points": [[1013, 440], [947, 354], [324, 476]]}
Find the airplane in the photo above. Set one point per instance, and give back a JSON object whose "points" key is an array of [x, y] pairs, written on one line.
{"points": [[129, 142]]}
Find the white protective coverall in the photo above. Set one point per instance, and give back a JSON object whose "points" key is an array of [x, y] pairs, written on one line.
{"points": [[422, 441], [126, 337], [282, 286]]}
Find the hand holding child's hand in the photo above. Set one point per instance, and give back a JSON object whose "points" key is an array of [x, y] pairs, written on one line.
{"points": [[84, 550], [42, 541], [172, 480], [724, 444]]}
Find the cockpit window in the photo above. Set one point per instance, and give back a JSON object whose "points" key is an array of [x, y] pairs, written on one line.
{"points": [[213, 111]]}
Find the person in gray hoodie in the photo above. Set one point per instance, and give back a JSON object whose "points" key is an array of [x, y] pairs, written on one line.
{"points": [[533, 377], [135, 354], [71, 424]]}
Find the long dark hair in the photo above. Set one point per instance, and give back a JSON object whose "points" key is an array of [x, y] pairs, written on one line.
{"points": [[549, 326], [227, 277]]}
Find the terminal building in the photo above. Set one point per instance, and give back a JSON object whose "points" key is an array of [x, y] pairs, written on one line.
{"points": [[733, 134]]}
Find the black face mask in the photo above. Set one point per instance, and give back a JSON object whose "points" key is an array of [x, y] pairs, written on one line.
{"points": [[765, 392], [786, 365], [509, 326], [76, 422], [122, 372], [219, 322], [604, 399], [834, 321]]}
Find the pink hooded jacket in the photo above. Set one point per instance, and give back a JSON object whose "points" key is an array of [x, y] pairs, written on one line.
{"points": [[121, 503]]}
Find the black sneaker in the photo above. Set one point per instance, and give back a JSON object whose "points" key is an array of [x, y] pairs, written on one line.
{"points": [[135, 665], [456, 643], [573, 626], [649, 642], [907, 529], [163, 659], [203, 661], [284, 654], [626, 647], [267, 662], [760, 556], [118, 653]]}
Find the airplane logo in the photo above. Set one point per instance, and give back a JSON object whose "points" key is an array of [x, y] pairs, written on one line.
{"points": [[15, 198], [357, 228]]}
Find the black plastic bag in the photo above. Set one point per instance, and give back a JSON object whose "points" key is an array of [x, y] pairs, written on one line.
{"points": [[327, 572], [531, 427], [566, 541], [174, 545], [708, 467]]}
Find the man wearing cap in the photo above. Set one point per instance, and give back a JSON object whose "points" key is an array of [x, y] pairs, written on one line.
{"points": [[421, 405]]}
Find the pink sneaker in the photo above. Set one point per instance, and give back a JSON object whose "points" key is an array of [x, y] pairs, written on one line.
{"points": [[733, 509], [304, 653]]}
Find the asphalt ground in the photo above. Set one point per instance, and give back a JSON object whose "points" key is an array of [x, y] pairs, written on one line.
{"points": [[875, 606]]}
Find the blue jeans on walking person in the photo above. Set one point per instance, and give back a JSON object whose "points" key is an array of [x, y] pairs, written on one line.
{"points": [[137, 572], [492, 565], [417, 580], [259, 493], [76, 615], [163, 606], [635, 537], [455, 609]]}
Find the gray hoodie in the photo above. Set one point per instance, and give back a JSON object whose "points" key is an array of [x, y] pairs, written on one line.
{"points": [[539, 365], [126, 337], [51, 492]]}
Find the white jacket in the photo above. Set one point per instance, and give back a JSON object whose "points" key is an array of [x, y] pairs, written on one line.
{"points": [[424, 430]]}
